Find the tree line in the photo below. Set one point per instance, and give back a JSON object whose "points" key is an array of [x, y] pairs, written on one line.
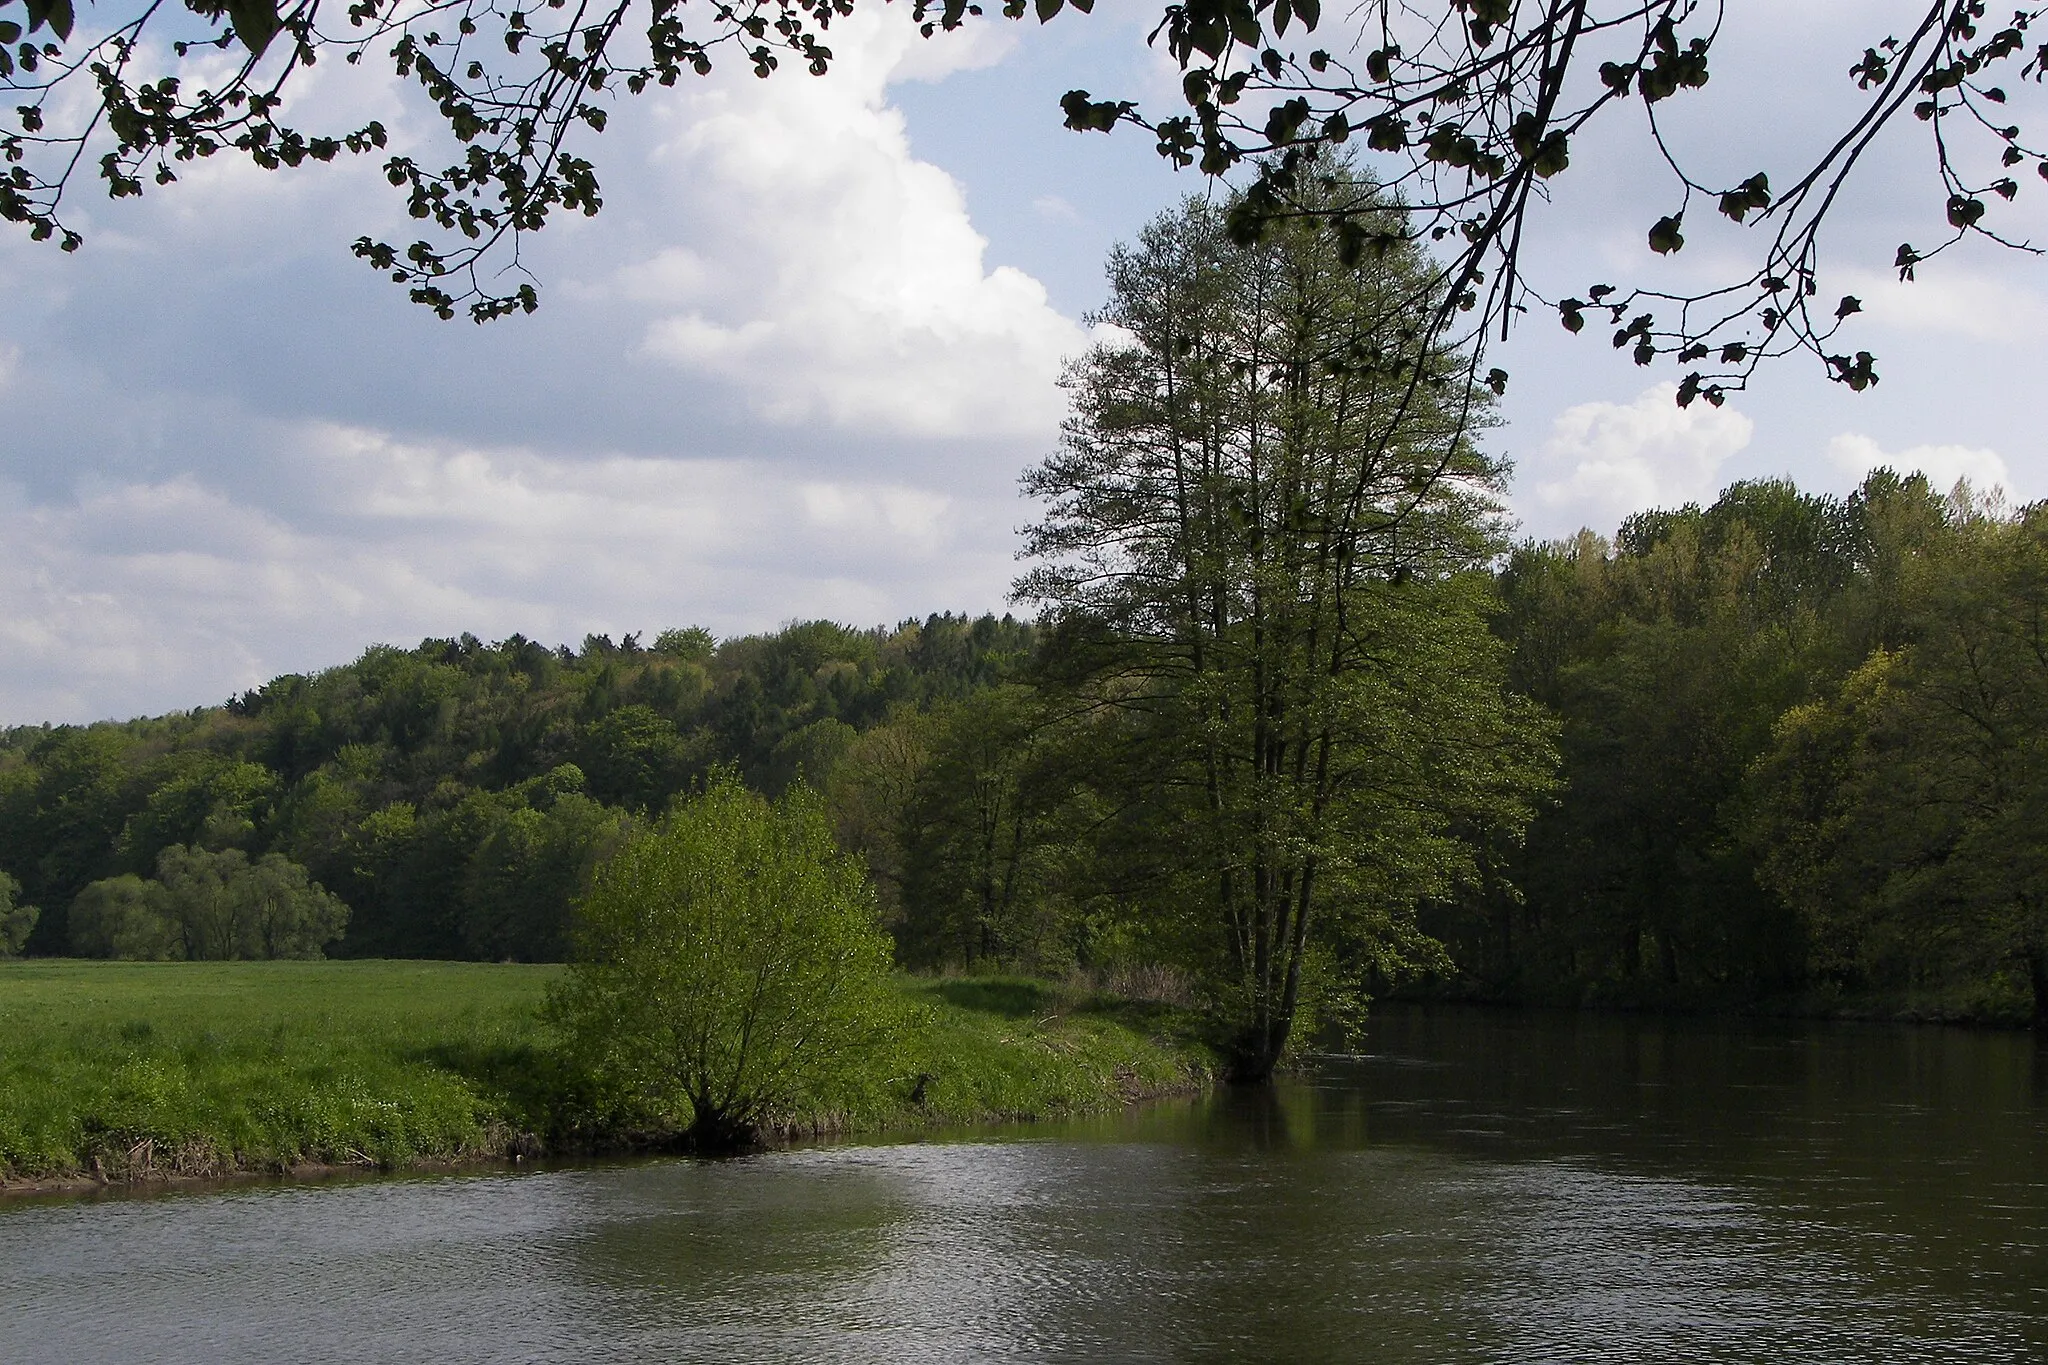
{"points": [[1802, 752], [1799, 749], [452, 797]]}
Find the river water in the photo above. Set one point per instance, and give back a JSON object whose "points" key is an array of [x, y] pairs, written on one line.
{"points": [[1473, 1186]]}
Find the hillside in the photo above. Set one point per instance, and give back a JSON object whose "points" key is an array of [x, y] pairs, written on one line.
{"points": [[453, 793]]}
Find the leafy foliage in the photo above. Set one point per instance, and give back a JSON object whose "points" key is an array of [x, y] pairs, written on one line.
{"points": [[730, 967], [125, 917], [1468, 111], [455, 795], [208, 906], [1800, 735], [1263, 561], [1904, 815], [17, 921], [1801, 757]]}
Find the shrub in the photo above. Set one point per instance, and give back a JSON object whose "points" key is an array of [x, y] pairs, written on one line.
{"points": [[730, 971], [17, 922], [208, 906], [124, 917]]}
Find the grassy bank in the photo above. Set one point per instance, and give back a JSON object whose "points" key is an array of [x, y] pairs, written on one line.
{"points": [[162, 1070]]}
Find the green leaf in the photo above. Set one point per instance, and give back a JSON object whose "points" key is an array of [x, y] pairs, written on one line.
{"points": [[1048, 8], [1244, 23], [1753, 193], [1665, 237], [256, 23], [56, 14]]}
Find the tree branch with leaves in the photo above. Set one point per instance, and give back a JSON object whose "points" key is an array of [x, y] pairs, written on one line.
{"points": [[1468, 112]]}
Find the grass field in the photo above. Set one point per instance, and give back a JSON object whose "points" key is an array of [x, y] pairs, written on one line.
{"points": [[147, 1070]]}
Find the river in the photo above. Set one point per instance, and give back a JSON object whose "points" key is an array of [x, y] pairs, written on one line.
{"points": [[1472, 1186]]}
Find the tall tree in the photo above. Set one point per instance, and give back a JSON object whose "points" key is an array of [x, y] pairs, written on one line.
{"points": [[1263, 553], [974, 863], [1906, 814], [17, 921]]}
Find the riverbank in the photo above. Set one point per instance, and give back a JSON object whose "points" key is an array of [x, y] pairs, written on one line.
{"points": [[163, 1072]]}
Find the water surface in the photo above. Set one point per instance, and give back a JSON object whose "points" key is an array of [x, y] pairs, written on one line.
{"points": [[1474, 1186]]}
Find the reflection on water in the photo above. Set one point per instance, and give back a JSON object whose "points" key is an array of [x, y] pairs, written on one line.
{"points": [[1474, 1187]]}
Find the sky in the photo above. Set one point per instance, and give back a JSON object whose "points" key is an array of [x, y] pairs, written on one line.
{"points": [[796, 365]]}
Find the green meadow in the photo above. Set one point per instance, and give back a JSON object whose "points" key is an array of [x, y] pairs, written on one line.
{"points": [[138, 1071]]}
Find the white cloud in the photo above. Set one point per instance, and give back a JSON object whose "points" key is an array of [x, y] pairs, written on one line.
{"points": [[1944, 465], [154, 595], [294, 463], [1949, 300], [849, 285], [1055, 209], [1605, 460]]}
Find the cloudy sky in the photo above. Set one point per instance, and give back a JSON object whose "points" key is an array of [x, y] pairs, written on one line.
{"points": [[795, 366]]}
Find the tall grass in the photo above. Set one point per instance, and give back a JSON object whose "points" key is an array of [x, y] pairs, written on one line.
{"points": [[201, 1068], [145, 1070]]}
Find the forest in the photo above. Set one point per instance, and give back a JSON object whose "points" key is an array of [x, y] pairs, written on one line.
{"points": [[1798, 751]]}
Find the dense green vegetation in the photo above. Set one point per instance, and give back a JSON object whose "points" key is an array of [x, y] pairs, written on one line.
{"points": [[1803, 760], [1801, 767], [158, 1069], [1263, 566], [454, 795], [729, 965]]}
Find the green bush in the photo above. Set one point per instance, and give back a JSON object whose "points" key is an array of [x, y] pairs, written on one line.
{"points": [[731, 972], [124, 917], [17, 922], [208, 906]]}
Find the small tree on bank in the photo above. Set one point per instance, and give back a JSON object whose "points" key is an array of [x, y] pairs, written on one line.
{"points": [[730, 968]]}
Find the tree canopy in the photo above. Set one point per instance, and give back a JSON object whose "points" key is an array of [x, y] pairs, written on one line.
{"points": [[730, 966], [454, 795], [1467, 112], [1801, 741], [1263, 563]]}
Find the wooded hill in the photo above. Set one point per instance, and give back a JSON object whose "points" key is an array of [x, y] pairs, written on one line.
{"points": [[454, 794], [1801, 754]]}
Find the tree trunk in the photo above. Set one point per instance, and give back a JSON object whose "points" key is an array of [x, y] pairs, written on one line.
{"points": [[2037, 969]]}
